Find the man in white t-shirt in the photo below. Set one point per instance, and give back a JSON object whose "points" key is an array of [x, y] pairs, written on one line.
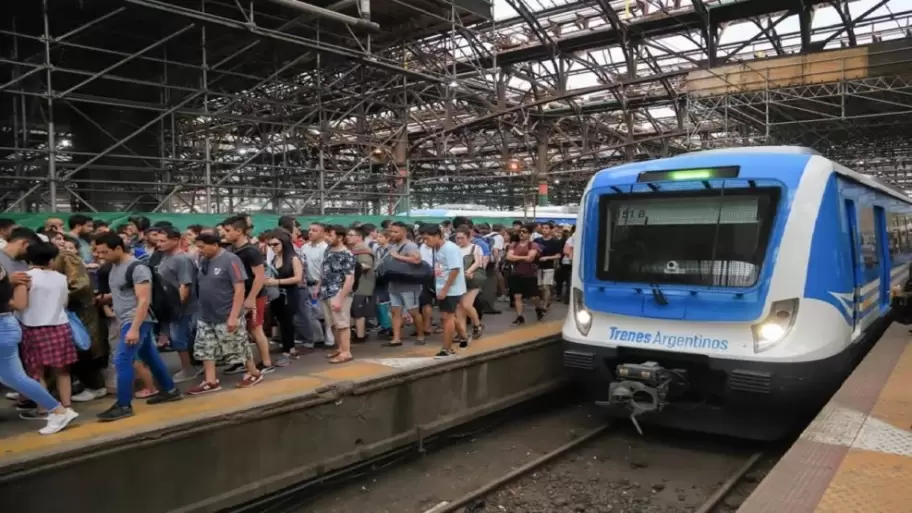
{"points": [[313, 252]]}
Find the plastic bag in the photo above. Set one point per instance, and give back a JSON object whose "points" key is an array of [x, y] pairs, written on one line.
{"points": [[81, 336]]}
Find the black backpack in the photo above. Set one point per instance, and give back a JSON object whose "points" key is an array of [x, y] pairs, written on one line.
{"points": [[165, 304]]}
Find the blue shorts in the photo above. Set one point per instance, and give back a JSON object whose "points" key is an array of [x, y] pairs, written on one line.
{"points": [[406, 300]]}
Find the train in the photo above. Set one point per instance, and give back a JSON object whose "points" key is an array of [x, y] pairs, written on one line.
{"points": [[731, 291]]}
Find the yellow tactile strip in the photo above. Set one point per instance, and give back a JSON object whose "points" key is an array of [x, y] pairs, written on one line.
{"points": [[869, 482], [20, 448], [856, 457], [879, 481]]}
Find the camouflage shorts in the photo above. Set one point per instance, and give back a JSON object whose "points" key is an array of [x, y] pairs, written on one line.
{"points": [[214, 342]]}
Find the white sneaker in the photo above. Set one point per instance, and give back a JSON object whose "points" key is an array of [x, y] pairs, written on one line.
{"points": [[12, 396], [90, 395], [182, 376], [58, 421]]}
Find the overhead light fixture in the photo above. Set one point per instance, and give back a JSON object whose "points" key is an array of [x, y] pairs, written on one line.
{"points": [[242, 151]]}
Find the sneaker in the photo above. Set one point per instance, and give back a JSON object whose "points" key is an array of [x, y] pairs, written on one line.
{"points": [[56, 422], [477, 331], [443, 354], [205, 387], [183, 376], [235, 368], [115, 412], [32, 415], [26, 405], [540, 313], [165, 397], [250, 380], [265, 369], [12, 396], [420, 341], [464, 343], [90, 395]]}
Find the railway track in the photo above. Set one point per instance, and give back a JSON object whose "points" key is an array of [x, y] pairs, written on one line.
{"points": [[474, 500], [551, 457]]}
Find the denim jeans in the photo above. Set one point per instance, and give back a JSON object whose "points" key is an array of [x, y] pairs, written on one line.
{"points": [[145, 349], [180, 332], [306, 324], [11, 372]]}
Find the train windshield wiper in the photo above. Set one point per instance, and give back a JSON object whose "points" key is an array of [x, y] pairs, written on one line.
{"points": [[657, 295]]}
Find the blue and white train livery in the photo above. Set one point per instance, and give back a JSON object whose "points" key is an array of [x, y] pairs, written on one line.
{"points": [[731, 290]]}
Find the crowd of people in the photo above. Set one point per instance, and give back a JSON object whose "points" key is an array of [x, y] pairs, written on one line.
{"points": [[220, 296]]}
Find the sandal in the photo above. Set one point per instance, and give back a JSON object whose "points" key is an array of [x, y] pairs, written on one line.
{"points": [[145, 393], [341, 359], [391, 343], [334, 354]]}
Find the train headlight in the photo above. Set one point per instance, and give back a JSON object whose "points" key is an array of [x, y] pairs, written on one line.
{"points": [[776, 326], [581, 315]]}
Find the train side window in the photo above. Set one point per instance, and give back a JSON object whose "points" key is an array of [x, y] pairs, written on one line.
{"points": [[896, 233], [905, 223], [868, 235]]}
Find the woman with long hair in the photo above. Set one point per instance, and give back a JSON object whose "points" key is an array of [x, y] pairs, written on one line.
{"points": [[288, 273], [89, 369], [473, 264]]}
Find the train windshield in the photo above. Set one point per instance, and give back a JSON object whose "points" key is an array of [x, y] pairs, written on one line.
{"points": [[708, 238]]}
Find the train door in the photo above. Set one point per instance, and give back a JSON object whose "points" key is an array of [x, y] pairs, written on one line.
{"points": [[886, 261], [855, 247], [872, 264]]}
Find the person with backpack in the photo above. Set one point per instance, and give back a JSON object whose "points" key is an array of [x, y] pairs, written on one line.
{"points": [[338, 281], [131, 285], [178, 271], [363, 300]]}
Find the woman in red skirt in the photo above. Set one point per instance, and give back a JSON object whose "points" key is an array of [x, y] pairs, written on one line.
{"points": [[47, 341]]}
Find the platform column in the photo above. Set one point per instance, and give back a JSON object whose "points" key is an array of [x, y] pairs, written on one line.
{"points": [[541, 164]]}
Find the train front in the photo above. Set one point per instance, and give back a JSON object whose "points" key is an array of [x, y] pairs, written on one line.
{"points": [[670, 321]]}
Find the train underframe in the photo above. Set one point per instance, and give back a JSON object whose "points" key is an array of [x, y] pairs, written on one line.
{"points": [[750, 400]]}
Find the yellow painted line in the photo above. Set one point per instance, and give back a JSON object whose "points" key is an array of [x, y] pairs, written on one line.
{"points": [[353, 370], [149, 418]]}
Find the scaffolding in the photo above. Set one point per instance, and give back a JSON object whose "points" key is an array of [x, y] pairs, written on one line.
{"points": [[381, 106]]}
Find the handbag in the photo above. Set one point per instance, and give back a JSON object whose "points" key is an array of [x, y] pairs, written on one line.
{"points": [[272, 293], [81, 337], [393, 270]]}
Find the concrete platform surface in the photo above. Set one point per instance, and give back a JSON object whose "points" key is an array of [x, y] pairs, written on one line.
{"points": [[302, 421], [856, 456]]}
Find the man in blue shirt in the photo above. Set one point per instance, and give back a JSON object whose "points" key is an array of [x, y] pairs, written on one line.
{"points": [[449, 281]]}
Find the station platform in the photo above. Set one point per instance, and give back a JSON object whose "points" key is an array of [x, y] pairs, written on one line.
{"points": [[218, 450], [856, 456]]}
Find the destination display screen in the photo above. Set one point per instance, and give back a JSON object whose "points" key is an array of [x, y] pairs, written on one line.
{"points": [[703, 173], [688, 211]]}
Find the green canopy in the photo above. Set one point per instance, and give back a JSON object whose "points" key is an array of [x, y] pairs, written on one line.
{"points": [[260, 221]]}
